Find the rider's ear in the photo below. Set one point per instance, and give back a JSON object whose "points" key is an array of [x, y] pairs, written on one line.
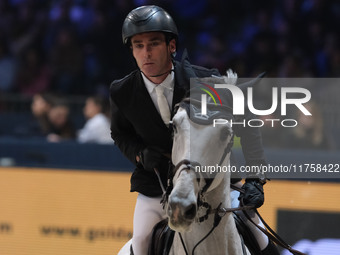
{"points": [[172, 46]]}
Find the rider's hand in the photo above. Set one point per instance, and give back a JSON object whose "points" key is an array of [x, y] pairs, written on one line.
{"points": [[151, 158], [253, 192]]}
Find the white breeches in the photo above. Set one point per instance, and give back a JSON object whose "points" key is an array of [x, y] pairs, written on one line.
{"points": [[148, 212]]}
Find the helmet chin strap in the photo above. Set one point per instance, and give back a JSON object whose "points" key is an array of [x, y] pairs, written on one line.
{"points": [[158, 75]]}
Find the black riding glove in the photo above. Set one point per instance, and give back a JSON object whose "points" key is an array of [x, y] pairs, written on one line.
{"points": [[253, 192], [151, 158]]}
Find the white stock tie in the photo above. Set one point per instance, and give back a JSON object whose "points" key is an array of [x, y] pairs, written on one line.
{"points": [[163, 104]]}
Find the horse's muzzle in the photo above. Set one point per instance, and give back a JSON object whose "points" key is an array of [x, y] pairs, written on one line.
{"points": [[181, 216]]}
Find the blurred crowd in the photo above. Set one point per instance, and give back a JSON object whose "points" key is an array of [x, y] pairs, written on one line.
{"points": [[74, 47], [51, 119]]}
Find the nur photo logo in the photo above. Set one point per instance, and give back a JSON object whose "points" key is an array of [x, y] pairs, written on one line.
{"points": [[243, 100]]}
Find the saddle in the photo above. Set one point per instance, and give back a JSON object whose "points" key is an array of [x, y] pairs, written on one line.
{"points": [[163, 236]]}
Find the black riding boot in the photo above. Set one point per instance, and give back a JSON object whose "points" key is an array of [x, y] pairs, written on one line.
{"points": [[131, 250], [271, 249]]}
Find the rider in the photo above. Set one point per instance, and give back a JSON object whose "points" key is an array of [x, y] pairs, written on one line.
{"points": [[138, 125]]}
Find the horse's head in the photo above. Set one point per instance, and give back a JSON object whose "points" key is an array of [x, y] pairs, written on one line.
{"points": [[197, 144]]}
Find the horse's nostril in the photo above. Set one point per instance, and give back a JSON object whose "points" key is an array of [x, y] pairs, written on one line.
{"points": [[190, 213]]}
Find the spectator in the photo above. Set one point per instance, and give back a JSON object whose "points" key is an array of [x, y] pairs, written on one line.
{"points": [[33, 75], [40, 107], [62, 127], [38, 124], [97, 127]]}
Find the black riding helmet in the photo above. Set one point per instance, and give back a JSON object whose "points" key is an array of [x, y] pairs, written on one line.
{"points": [[148, 18]]}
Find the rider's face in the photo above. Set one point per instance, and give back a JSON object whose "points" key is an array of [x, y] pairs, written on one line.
{"points": [[153, 55]]}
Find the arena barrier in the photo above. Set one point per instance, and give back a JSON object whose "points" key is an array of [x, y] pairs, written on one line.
{"points": [[63, 204], [64, 212]]}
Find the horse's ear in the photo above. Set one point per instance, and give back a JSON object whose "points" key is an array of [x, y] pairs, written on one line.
{"points": [[251, 83], [187, 67], [184, 71], [185, 56]]}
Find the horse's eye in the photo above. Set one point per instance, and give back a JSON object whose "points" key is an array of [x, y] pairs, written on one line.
{"points": [[224, 133]]}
